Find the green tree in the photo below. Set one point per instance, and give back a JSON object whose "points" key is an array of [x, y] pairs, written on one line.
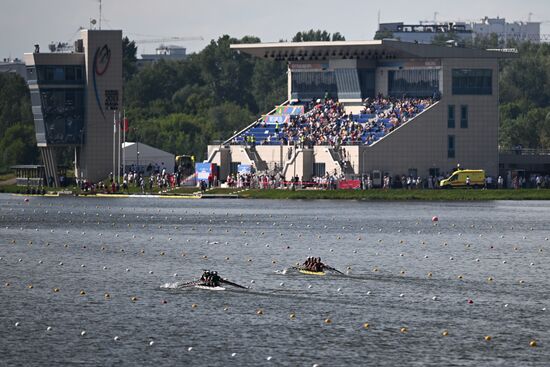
{"points": [[129, 59], [317, 35], [15, 106], [18, 146], [380, 35]]}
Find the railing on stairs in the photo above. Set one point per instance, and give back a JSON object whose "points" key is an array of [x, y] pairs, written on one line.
{"points": [[254, 123]]}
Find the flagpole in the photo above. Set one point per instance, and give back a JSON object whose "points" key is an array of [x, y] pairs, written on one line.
{"points": [[124, 150], [114, 137], [118, 148]]}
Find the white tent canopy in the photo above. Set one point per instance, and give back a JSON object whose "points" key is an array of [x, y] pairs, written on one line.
{"points": [[147, 157]]}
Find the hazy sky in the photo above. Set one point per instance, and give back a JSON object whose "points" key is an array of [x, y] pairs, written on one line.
{"points": [[24, 23]]}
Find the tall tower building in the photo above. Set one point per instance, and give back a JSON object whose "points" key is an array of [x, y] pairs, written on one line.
{"points": [[75, 96]]}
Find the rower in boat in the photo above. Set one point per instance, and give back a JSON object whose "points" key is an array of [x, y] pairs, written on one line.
{"points": [[315, 265], [212, 279]]}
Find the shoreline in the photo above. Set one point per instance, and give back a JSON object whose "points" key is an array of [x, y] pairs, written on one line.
{"points": [[309, 194]]}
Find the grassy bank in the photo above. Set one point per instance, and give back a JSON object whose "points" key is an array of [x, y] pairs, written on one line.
{"points": [[428, 195], [382, 195]]}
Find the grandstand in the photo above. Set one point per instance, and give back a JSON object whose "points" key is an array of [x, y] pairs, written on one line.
{"points": [[355, 107]]}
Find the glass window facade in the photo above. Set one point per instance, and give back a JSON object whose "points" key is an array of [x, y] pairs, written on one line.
{"points": [[451, 146], [63, 113], [60, 74], [413, 82], [451, 116], [472, 81], [464, 117], [313, 84], [366, 81]]}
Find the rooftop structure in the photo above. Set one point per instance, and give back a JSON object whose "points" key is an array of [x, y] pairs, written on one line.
{"points": [[426, 32]]}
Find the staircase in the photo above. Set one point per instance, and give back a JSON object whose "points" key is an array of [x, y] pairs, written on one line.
{"points": [[345, 165], [253, 156]]}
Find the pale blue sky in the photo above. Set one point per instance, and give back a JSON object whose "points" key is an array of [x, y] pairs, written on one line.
{"points": [[26, 22]]}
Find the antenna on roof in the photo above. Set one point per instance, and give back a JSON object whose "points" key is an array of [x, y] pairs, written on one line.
{"points": [[529, 16], [100, 14]]}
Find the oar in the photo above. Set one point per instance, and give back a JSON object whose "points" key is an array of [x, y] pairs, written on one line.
{"points": [[233, 284], [336, 270], [189, 284]]}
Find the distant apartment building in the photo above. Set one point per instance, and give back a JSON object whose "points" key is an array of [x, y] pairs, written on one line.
{"points": [[8, 65], [425, 33], [518, 31], [163, 52], [462, 31]]}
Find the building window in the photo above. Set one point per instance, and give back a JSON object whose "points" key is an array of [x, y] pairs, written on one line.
{"points": [[463, 117], [319, 169], [472, 81], [451, 146], [67, 74], [413, 82], [313, 84], [451, 116], [63, 115]]}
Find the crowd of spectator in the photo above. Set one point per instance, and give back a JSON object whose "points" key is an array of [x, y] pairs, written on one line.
{"points": [[326, 122]]}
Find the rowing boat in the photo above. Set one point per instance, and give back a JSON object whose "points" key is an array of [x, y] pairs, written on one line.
{"points": [[210, 288], [309, 272]]}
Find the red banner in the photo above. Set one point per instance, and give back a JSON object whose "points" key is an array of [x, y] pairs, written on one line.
{"points": [[349, 184], [124, 125]]}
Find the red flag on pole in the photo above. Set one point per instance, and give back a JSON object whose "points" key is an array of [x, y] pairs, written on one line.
{"points": [[125, 124]]}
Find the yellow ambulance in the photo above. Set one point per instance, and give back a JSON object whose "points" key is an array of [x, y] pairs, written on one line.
{"points": [[464, 178]]}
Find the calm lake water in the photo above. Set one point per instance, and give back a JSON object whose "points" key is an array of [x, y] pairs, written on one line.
{"points": [[495, 254]]}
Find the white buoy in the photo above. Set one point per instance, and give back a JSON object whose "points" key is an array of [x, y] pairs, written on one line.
{"points": [[401, 295], [233, 354], [116, 338], [17, 324], [269, 358], [368, 293], [435, 298], [83, 333], [282, 284], [309, 286], [151, 343], [189, 349]]}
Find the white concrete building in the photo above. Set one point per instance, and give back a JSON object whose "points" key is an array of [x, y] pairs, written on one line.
{"points": [[518, 31]]}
